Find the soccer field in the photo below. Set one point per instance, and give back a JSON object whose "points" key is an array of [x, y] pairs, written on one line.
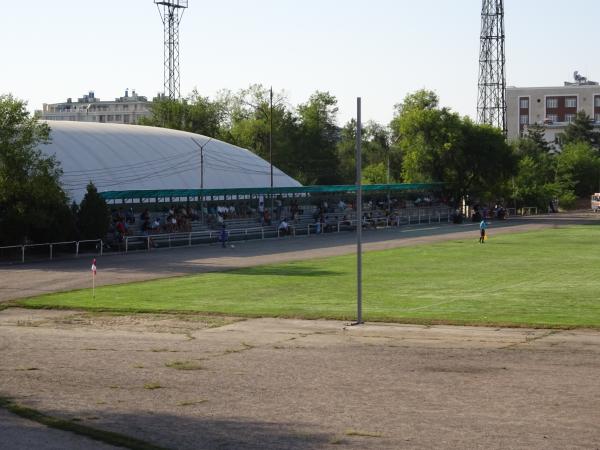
{"points": [[545, 278]]}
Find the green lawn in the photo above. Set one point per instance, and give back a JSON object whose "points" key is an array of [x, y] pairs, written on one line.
{"points": [[547, 278]]}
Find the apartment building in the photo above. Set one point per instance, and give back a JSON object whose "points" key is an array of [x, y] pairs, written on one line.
{"points": [[553, 107], [89, 108]]}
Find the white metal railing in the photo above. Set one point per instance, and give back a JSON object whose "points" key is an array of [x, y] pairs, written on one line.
{"points": [[51, 252], [189, 239], [523, 211]]}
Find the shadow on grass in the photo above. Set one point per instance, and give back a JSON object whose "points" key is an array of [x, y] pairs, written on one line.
{"points": [[289, 271]]}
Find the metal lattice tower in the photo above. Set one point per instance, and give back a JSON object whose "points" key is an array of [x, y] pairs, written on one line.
{"points": [[491, 101], [171, 12]]}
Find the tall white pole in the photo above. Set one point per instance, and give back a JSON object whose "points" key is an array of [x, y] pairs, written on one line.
{"points": [[271, 144], [359, 220]]}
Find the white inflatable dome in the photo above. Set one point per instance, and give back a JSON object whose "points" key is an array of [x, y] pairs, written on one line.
{"points": [[132, 157]]}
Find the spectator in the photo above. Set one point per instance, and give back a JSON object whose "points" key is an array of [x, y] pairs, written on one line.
{"points": [[283, 228], [155, 227], [267, 218], [146, 230], [279, 205], [261, 208], [130, 216], [224, 235]]}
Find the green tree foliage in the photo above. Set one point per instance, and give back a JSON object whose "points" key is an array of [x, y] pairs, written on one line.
{"points": [[195, 114], [375, 174], [376, 149], [33, 205], [248, 125], [579, 162], [580, 130], [93, 214], [439, 145], [317, 157], [346, 153], [536, 134]]}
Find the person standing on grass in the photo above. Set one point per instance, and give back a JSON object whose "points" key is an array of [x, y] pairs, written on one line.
{"points": [[482, 227]]}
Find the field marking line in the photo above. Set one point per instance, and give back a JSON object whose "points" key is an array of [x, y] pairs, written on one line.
{"points": [[421, 229]]}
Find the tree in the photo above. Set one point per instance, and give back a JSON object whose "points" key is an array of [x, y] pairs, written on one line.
{"points": [[196, 114], [375, 174], [439, 145], [536, 133], [248, 126], [33, 205], [93, 215], [425, 133], [579, 162], [346, 153], [479, 163], [580, 130], [316, 156]]}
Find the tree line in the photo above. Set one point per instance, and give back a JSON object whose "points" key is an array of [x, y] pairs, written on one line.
{"points": [[423, 142]]}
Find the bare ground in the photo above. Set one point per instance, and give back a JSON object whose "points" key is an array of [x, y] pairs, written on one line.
{"points": [[192, 382], [196, 382]]}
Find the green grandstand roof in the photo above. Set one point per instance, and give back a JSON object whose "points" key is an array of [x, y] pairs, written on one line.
{"points": [[167, 193]]}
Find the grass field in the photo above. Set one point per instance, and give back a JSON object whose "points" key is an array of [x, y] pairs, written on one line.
{"points": [[548, 278]]}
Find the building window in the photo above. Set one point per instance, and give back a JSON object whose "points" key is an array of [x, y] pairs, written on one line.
{"points": [[551, 118], [597, 117], [524, 103], [569, 117], [571, 102], [551, 102], [118, 117], [125, 118], [524, 119], [597, 101]]}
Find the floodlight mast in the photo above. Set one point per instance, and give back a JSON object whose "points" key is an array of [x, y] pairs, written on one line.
{"points": [[171, 12], [491, 101]]}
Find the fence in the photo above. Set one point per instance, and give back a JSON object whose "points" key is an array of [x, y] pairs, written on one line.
{"points": [[50, 251], [524, 211]]}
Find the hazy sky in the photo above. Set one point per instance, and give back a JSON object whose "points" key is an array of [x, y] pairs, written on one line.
{"points": [[378, 49]]}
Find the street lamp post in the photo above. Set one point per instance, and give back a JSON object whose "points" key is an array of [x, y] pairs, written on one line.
{"points": [[271, 144], [201, 175]]}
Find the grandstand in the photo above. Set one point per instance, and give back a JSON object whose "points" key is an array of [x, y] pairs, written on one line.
{"points": [[152, 175]]}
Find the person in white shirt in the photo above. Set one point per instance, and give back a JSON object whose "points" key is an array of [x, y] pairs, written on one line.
{"points": [[283, 227]]}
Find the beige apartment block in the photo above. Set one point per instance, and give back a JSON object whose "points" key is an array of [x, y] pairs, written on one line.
{"points": [[126, 110], [553, 107]]}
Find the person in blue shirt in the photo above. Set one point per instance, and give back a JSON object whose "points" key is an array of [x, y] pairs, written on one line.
{"points": [[482, 227], [224, 236]]}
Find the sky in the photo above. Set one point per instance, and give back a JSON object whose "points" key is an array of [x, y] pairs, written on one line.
{"points": [[380, 50]]}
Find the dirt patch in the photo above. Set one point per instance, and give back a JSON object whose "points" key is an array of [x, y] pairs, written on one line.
{"points": [[291, 384]]}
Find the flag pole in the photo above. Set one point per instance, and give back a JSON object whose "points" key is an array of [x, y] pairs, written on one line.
{"points": [[94, 279]]}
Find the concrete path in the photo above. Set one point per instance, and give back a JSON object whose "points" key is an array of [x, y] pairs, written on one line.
{"points": [[303, 385], [17, 433], [26, 280]]}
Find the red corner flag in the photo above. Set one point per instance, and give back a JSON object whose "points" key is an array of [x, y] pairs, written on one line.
{"points": [[94, 278]]}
